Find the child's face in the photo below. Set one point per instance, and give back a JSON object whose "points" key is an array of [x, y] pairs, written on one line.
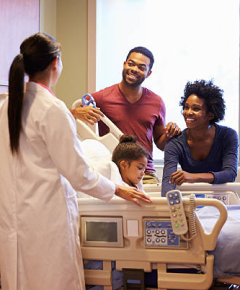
{"points": [[133, 173]]}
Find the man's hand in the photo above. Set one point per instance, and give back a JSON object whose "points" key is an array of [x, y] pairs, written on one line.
{"points": [[87, 114], [172, 129], [163, 134], [131, 194]]}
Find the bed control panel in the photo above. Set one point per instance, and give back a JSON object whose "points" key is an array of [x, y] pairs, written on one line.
{"points": [[221, 197], [158, 233]]}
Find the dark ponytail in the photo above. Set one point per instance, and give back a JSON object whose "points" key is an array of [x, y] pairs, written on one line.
{"points": [[37, 52], [16, 86]]}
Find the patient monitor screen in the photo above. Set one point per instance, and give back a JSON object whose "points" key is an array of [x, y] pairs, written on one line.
{"points": [[101, 231]]}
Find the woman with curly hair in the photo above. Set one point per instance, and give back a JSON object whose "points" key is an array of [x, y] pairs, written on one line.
{"points": [[207, 152]]}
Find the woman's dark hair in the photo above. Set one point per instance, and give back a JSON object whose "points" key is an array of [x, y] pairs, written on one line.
{"points": [[211, 94], [36, 54], [128, 149], [144, 51]]}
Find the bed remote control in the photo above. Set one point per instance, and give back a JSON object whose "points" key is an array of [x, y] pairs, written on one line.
{"points": [[177, 213]]}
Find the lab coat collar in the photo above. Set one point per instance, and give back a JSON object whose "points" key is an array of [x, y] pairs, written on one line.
{"points": [[32, 86]]}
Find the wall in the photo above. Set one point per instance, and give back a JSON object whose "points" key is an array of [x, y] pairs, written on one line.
{"points": [[48, 16], [18, 20], [72, 34]]}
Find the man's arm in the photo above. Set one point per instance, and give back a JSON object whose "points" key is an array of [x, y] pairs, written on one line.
{"points": [[162, 134]]}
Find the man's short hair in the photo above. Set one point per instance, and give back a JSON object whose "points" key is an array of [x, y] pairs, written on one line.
{"points": [[144, 51]]}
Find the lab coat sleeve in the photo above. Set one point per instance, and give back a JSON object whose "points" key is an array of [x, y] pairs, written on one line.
{"points": [[58, 129]]}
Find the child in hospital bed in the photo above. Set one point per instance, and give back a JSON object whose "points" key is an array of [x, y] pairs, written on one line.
{"points": [[130, 160], [125, 166]]}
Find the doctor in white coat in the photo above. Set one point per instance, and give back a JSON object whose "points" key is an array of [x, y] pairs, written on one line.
{"points": [[42, 164]]}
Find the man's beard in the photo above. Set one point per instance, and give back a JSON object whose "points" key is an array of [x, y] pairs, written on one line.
{"points": [[136, 83]]}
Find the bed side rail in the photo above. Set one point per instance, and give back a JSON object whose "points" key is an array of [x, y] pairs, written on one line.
{"points": [[87, 131], [210, 239]]}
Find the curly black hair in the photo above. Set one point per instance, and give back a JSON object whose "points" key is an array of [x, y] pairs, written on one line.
{"points": [[128, 149], [211, 94]]}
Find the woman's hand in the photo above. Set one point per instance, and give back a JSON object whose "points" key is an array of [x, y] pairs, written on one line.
{"points": [[131, 194], [180, 176], [87, 114]]}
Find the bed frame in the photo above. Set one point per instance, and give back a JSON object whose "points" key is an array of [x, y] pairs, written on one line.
{"points": [[135, 253]]}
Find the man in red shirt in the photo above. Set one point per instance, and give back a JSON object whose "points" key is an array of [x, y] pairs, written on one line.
{"points": [[135, 110]]}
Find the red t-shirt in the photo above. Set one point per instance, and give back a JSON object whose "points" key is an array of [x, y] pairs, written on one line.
{"points": [[137, 119]]}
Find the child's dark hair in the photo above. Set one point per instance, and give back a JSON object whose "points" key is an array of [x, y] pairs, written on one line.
{"points": [[128, 149], [36, 54]]}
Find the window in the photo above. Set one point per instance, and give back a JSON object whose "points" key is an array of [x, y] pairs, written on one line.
{"points": [[190, 39]]}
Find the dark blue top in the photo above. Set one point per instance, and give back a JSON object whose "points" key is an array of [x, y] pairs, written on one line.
{"points": [[222, 159]]}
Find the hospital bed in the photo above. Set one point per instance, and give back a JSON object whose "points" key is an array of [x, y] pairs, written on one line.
{"points": [[143, 239], [228, 193], [121, 235]]}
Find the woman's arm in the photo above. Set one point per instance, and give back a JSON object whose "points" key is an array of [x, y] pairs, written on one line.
{"points": [[171, 160], [228, 145], [181, 176], [229, 159]]}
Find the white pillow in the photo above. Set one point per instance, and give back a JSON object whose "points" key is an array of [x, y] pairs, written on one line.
{"points": [[99, 158], [95, 150]]}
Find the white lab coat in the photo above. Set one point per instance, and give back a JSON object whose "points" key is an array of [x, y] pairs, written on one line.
{"points": [[39, 241]]}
